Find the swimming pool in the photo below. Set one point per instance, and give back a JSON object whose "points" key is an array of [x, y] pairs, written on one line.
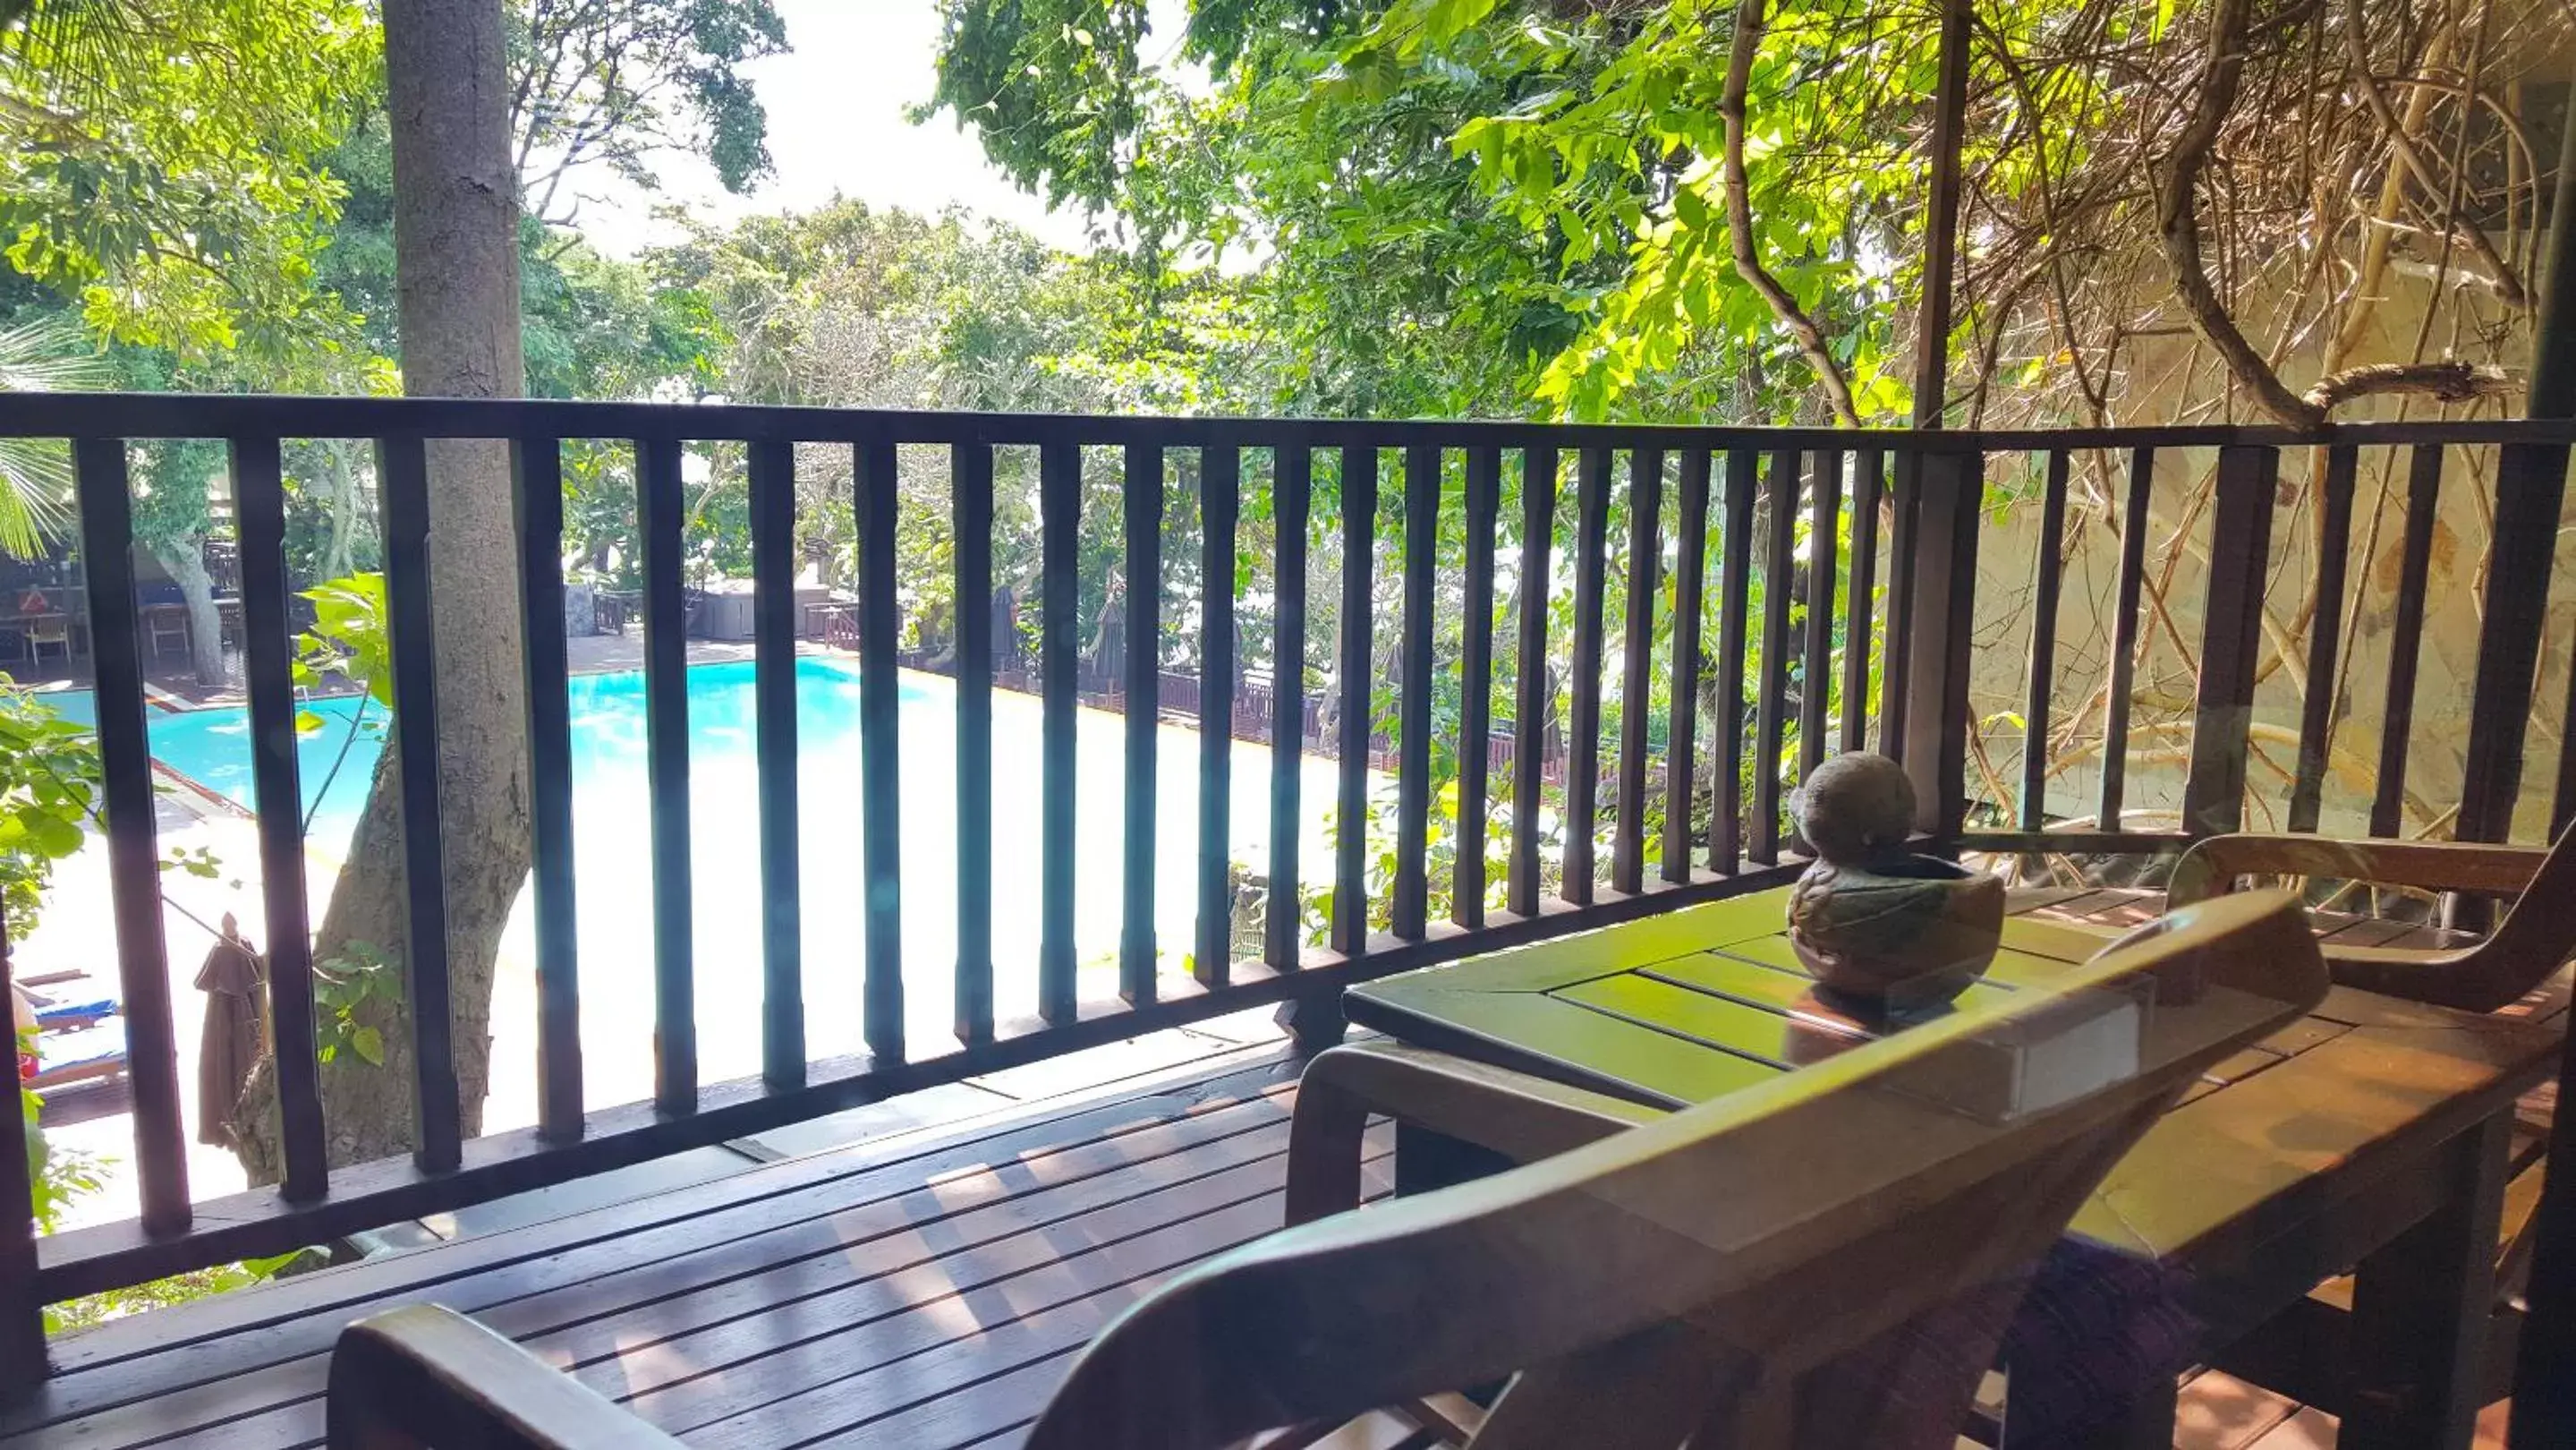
{"points": [[613, 871]]}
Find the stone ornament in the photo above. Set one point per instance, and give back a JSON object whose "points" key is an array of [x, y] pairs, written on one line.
{"points": [[1887, 929]]}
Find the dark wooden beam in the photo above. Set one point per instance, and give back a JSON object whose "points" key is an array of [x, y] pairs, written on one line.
{"points": [[1949, 487], [2531, 487], [2544, 1393], [1941, 219], [2213, 796]]}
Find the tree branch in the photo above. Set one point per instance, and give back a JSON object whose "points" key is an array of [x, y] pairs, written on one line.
{"points": [[2447, 381], [2178, 225], [1739, 218], [2356, 42]]}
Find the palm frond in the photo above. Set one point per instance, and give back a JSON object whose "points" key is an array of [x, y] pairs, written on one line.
{"points": [[50, 355], [73, 45], [35, 495], [47, 355]]}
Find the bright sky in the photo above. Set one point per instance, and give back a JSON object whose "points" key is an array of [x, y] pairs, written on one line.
{"points": [[836, 125]]}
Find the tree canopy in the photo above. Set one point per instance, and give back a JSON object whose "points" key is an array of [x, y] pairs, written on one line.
{"points": [[162, 161]]}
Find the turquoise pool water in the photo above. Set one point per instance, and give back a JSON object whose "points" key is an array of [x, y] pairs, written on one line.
{"points": [[611, 828]]}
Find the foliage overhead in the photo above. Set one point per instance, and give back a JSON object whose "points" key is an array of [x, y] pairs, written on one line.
{"points": [[161, 160], [617, 82]]}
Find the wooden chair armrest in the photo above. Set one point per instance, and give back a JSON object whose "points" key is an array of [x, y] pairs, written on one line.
{"points": [[2465, 979], [1524, 1118], [2211, 867], [424, 1377]]}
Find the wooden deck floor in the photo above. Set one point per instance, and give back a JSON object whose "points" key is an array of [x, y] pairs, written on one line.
{"points": [[920, 1292], [921, 1295]]}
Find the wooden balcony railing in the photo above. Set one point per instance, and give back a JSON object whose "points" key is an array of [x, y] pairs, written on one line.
{"points": [[1748, 488]]}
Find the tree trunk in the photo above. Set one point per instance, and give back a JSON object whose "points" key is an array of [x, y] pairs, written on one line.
{"points": [[185, 562], [337, 559], [456, 265]]}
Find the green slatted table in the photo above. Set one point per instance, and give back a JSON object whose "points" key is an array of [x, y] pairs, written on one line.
{"points": [[2371, 1134]]}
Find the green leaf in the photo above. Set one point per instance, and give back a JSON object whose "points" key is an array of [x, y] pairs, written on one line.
{"points": [[368, 1043]]}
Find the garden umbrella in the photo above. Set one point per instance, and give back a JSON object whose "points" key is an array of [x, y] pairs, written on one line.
{"points": [[231, 980]]}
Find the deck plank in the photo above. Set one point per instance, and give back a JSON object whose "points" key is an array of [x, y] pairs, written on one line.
{"points": [[843, 1177], [1103, 1260], [997, 1337], [691, 1286], [261, 1367]]}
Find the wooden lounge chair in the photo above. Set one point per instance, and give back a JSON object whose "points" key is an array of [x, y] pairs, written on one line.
{"points": [[69, 1011], [2535, 939], [78, 1036], [2515, 970], [91, 1054], [1824, 1260]]}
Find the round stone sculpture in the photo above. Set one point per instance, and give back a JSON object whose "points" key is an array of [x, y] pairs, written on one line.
{"points": [[1872, 922]]}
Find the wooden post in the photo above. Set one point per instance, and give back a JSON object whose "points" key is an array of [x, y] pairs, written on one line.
{"points": [[2544, 1394], [1927, 584], [2213, 795], [2531, 486], [1941, 220], [1948, 489]]}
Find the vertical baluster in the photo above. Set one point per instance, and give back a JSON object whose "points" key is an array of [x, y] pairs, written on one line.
{"points": [[1409, 909], [1350, 815], [1682, 747], [1532, 700], [2406, 639], [1904, 500], [970, 503], [22, 1310], [1868, 473], [1816, 671], [1637, 666], [875, 480], [2325, 638], [1283, 915], [259, 508], [1770, 709], [1583, 769], [2043, 645], [1220, 476], [666, 768], [133, 862], [1735, 605], [2124, 635], [2223, 709], [773, 625], [402, 474], [1476, 685], [1059, 665], [536, 483], [1143, 493]]}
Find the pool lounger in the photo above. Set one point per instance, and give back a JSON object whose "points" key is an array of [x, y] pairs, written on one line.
{"points": [[91, 1054]]}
